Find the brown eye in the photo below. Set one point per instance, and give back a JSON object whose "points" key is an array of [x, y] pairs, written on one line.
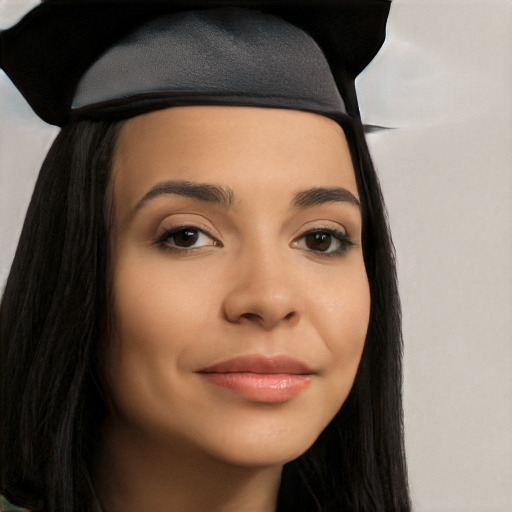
{"points": [[328, 242], [185, 237], [318, 241]]}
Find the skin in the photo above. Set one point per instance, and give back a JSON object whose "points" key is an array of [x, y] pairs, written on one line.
{"points": [[253, 283]]}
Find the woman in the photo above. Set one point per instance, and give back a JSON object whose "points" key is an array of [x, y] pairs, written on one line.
{"points": [[202, 313]]}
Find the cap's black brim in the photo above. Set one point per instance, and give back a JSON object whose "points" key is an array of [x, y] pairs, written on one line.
{"points": [[48, 51]]}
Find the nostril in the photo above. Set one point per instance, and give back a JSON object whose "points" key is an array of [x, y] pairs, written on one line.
{"points": [[254, 316], [250, 316]]}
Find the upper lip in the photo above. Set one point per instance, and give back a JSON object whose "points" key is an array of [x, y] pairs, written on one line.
{"points": [[258, 363]]}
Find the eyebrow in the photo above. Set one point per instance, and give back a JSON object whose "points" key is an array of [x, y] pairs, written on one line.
{"points": [[224, 196], [320, 195]]}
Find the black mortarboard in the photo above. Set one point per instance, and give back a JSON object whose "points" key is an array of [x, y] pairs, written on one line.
{"points": [[117, 58]]}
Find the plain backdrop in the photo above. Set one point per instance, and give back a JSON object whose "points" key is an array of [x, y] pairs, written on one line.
{"points": [[442, 85]]}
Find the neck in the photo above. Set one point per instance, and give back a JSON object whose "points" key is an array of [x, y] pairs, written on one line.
{"points": [[134, 474]]}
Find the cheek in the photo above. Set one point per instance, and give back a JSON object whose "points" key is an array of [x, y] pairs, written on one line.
{"points": [[159, 320], [343, 311], [154, 303], [342, 321]]}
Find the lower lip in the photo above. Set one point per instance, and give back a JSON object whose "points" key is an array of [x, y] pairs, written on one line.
{"points": [[258, 387]]}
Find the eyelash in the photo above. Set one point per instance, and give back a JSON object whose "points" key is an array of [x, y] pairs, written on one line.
{"points": [[344, 240], [161, 240]]}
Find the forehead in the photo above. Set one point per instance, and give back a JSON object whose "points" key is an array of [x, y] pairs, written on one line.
{"points": [[245, 148]]}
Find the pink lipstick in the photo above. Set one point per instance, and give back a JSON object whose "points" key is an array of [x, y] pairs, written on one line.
{"points": [[260, 378]]}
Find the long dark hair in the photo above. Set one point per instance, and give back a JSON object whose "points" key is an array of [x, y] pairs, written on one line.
{"points": [[54, 313], [51, 320]]}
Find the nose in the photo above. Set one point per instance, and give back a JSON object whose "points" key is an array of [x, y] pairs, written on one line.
{"points": [[263, 292]]}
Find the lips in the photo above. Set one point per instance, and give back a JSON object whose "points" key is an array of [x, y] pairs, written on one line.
{"points": [[256, 363], [260, 378]]}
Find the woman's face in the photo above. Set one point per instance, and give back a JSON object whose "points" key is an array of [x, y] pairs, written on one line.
{"points": [[241, 300]]}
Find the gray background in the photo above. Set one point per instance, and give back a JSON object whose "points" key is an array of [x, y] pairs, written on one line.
{"points": [[443, 82]]}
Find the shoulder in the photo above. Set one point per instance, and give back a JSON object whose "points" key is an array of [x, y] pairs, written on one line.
{"points": [[7, 506]]}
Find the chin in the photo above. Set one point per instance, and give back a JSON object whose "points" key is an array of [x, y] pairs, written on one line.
{"points": [[268, 443], [262, 455]]}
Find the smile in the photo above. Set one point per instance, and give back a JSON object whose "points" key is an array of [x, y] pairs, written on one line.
{"points": [[259, 378]]}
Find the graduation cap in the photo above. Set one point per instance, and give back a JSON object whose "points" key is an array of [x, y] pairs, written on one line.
{"points": [[117, 58]]}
